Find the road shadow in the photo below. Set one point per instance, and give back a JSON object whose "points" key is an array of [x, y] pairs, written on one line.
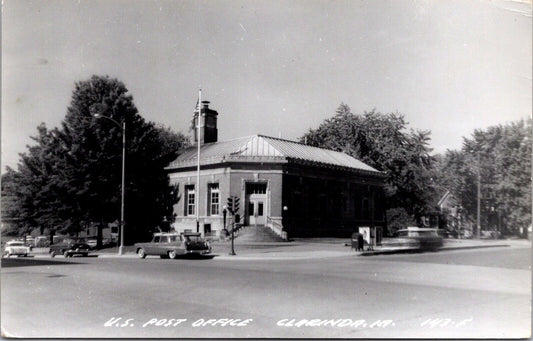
{"points": [[18, 262], [195, 256]]}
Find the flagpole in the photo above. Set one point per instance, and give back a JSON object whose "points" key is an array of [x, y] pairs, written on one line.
{"points": [[198, 163]]}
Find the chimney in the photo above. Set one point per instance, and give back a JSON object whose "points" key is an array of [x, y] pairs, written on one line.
{"points": [[208, 125]]}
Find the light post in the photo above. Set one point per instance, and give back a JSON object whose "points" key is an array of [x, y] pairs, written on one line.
{"points": [[224, 213], [478, 220], [123, 129]]}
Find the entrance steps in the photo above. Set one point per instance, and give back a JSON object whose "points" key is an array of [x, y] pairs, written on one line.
{"points": [[259, 233]]}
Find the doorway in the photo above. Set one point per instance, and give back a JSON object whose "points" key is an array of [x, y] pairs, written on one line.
{"points": [[256, 203]]}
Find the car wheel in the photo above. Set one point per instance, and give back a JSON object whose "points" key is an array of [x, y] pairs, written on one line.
{"points": [[52, 254], [141, 253], [172, 254]]}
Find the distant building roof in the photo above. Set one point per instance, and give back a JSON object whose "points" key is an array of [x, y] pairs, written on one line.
{"points": [[444, 198], [259, 148]]}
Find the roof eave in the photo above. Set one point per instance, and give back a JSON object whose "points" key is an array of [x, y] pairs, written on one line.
{"points": [[338, 167], [231, 159]]}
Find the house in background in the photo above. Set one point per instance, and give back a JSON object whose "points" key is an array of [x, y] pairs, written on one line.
{"points": [[290, 188], [450, 216]]}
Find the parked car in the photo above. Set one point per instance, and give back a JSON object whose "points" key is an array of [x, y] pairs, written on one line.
{"points": [[170, 245], [420, 238], [42, 241], [69, 249], [466, 234], [30, 241], [16, 248], [92, 243]]}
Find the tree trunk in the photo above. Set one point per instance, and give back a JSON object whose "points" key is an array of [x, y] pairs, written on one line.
{"points": [[52, 237], [99, 235]]}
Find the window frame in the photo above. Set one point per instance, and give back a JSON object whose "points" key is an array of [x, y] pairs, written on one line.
{"points": [[190, 193], [213, 188]]}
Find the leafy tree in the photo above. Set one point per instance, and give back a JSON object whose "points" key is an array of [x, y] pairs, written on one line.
{"points": [[10, 214], [502, 155], [383, 142], [398, 219], [72, 177], [34, 193]]}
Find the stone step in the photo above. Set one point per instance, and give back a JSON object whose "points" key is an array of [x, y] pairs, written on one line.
{"points": [[254, 233]]}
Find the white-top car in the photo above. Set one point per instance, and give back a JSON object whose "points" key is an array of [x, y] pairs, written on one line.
{"points": [[16, 248], [420, 238]]}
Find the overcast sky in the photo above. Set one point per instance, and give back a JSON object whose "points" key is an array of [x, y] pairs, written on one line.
{"points": [[271, 67]]}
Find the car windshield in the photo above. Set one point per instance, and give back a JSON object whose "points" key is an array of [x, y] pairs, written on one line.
{"points": [[16, 244], [417, 233]]}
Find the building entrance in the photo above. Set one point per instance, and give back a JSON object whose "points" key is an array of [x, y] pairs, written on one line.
{"points": [[256, 204]]}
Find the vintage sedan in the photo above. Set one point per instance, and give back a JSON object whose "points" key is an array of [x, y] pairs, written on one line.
{"points": [[170, 245], [420, 238], [69, 249], [16, 248]]}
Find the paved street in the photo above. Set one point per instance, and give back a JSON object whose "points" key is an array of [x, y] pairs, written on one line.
{"points": [[476, 293]]}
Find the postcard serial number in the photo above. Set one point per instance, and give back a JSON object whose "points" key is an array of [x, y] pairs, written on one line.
{"points": [[444, 322]]}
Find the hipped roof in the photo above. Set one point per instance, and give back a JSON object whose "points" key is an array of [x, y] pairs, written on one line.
{"points": [[265, 149]]}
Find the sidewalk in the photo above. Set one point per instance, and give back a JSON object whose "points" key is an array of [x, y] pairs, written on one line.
{"points": [[309, 248]]}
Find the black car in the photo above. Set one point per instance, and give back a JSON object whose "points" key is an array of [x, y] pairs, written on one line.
{"points": [[69, 249]]}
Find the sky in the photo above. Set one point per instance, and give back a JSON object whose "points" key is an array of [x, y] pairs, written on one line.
{"points": [[272, 67]]}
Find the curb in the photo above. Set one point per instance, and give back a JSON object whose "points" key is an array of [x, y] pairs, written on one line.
{"points": [[390, 252], [283, 256]]}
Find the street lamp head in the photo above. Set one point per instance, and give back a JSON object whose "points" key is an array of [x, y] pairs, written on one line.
{"points": [[121, 125]]}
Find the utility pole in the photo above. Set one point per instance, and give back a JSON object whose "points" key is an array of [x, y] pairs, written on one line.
{"points": [[197, 196]]}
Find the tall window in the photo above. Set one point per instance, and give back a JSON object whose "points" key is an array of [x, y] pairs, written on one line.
{"points": [[190, 200], [366, 208], [214, 199]]}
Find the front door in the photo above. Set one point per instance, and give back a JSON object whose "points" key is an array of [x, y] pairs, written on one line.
{"points": [[256, 210]]}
